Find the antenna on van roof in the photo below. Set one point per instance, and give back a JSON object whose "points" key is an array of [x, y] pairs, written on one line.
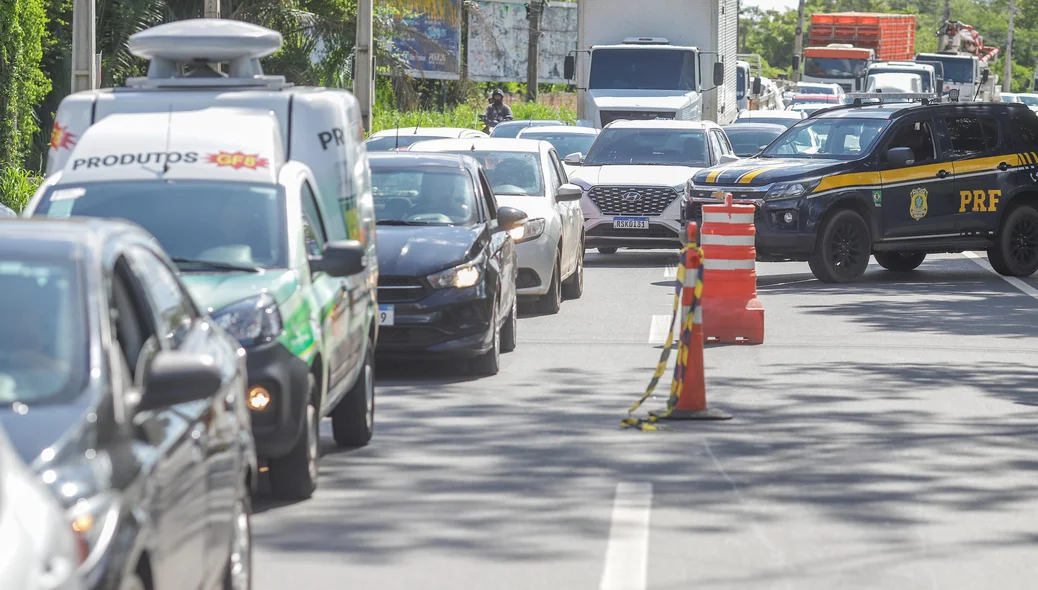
{"points": [[169, 136], [417, 125], [397, 134]]}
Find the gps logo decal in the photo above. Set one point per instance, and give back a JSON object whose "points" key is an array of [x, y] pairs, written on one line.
{"points": [[237, 160], [918, 206], [61, 139]]}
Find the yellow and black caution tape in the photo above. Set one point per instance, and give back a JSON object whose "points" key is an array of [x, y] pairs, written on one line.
{"points": [[682, 357]]}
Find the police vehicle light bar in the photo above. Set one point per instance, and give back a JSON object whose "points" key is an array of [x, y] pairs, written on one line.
{"points": [[199, 43]]}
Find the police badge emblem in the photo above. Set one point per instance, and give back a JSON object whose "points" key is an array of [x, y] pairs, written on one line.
{"points": [[918, 206]]}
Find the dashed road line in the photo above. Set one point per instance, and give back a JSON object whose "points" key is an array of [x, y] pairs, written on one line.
{"points": [[1023, 287], [627, 551], [658, 329]]}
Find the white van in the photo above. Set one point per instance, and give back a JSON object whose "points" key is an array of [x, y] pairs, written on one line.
{"points": [[208, 154]]}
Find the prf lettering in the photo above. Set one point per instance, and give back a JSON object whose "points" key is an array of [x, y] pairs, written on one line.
{"points": [[980, 200]]}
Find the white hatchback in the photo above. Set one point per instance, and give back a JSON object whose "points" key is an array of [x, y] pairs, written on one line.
{"points": [[528, 175]]}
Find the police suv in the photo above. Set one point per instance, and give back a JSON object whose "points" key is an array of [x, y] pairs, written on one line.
{"points": [[261, 194], [895, 181]]}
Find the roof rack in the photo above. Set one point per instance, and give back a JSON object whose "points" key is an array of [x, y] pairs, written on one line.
{"points": [[184, 53]]}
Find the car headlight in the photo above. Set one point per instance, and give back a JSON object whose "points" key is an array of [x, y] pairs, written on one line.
{"points": [[792, 190], [462, 276], [251, 321], [530, 230], [91, 506]]}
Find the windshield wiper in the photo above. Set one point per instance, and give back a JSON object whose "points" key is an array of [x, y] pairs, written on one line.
{"points": [[213, 265], [394, 222]]}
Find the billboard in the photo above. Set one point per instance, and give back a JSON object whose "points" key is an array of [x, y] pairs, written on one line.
{"points": [[499, 34], [428, 37]]}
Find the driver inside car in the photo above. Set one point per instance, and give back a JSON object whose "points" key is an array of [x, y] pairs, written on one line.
{"points": [[446, 194]]}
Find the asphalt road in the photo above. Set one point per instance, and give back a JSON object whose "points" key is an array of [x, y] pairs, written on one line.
{"points": [[884, 436]]}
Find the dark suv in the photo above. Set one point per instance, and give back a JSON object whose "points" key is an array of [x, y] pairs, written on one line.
{"points": [[896, 181]]}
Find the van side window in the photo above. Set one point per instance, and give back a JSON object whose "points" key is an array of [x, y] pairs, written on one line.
{"points": [[488, 194], [918, 137], [313, 226]]}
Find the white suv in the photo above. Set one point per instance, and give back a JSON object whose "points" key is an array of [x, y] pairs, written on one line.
{"points": [[634, 179]]}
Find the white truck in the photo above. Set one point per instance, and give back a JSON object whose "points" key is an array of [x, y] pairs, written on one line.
{"points": [[660, 59], [906, 76]]}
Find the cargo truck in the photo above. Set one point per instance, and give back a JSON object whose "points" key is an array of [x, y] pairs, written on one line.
{"points": [[842, 45], [665, 59], [966, 62]]}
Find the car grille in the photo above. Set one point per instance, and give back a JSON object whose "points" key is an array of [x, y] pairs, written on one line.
{"points": [[616, 200], [610, 116], [399, 289]]}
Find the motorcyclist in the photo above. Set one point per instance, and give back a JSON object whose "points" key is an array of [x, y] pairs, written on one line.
{"points": [[497, 110]]}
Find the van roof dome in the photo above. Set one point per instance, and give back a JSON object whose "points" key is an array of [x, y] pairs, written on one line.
{"points": [[200, 42]]}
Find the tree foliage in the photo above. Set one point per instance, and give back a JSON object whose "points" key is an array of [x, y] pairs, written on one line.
{"points": [[22, 83]]}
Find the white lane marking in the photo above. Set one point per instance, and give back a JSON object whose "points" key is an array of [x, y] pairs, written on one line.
{"points": [[1014, 281], [670, 272], [627, 552], [659, 328]]}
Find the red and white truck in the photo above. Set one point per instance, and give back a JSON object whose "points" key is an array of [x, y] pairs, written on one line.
{"points": [[842, 45]]}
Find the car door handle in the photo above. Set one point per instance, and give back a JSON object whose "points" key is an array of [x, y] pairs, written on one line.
{"points": [[942, 174], [1003, 166]]}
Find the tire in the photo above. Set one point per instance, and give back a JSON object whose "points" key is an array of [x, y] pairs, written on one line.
{"points": [[607, 250], [294, 476], [489, 363], [843, 249], [353, 419], [551, 302], [1015, 252], [573, 288], [511, 327], [898, 261], [132, 582], [238, 575]]}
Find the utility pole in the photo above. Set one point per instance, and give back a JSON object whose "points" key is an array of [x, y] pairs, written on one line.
{"points": [[798, 43], [212, 9], [364, 70], [946, 15], [1007, 76], [533, 14], [84, 45]]}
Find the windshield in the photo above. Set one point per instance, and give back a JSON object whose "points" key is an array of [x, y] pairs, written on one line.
{"points": [[831, 67], [956, 71], [841, 139], [784, 121], [564, 143], [1030, 100], [230, 223], [43, 352], [510, 173], [424, 196], [816, 89], [746, 142], [642, 69], [660, 147], [389, 142], [924, 79]]}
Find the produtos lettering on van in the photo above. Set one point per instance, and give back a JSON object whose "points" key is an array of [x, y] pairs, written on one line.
{"points": [[112, 160]]}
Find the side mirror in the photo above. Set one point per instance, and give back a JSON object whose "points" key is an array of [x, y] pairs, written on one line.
{"points": [[761, 148], [339, 259], [177, 378], [757, 86], [718, 73], [900, 156], [569, 192], [569, 67], [953, 95], [728, 158], [509, 218], [796, 63], [574, 159]]}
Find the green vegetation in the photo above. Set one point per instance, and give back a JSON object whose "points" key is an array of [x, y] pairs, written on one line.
{"points": [[17, 186], [771, 32], [22, 83], [464, 115]]}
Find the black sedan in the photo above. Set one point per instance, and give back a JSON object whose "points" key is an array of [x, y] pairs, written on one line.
{"points": [[748, 139], [446, 260], [128, 403]]}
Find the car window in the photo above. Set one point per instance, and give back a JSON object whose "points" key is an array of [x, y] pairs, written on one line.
{"points": [[488, 195], [564, 143], [557, 178], [511, 173], [175, 312], [133, 320], [664, 147], [393, 142], [1025, 132], [722, 140], [964, 133], [313, 225], [430, 195], [918, 137], [715, 148], [991, 135], [843, 138], [557, 162]]}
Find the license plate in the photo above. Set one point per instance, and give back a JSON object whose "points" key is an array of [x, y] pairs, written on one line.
{"points": [[631, 222], [385, 315]]}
